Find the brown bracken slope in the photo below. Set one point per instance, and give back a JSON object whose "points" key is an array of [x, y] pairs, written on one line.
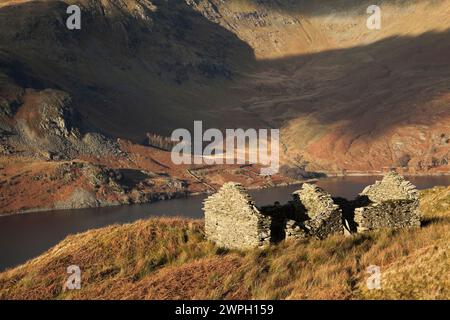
{"points": [[170, 259]]}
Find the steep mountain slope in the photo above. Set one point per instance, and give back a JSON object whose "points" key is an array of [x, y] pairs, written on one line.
{"points": [[129, 69], [347, 98], [350, 98]]}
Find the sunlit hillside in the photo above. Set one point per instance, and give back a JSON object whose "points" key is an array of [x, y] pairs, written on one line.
{"points": [[170, 259]]}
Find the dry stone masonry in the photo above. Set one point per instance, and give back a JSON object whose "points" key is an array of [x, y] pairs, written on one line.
{"points": [[393, 203], [323, 216], [233, 221]]}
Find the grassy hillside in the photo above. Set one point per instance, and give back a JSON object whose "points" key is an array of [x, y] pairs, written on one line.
{"points": [[169, 259]]}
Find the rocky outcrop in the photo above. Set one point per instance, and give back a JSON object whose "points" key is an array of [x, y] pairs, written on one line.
{"points": [[392, 203], [233, 221], [80, 198], [50, 128]]}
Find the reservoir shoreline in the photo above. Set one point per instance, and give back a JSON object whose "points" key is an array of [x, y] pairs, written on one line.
{"points": [[194, 194]]}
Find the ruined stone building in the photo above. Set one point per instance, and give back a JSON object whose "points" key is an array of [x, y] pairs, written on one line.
{"points": [[391, 203], [316, 214], [233, 221]]}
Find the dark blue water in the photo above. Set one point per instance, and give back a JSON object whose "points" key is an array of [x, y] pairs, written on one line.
{"points": [[26, 236]]}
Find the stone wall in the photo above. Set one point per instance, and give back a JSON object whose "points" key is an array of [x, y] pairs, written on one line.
{"points": [[232, 220], [324, 217], [392, 203], [387, 214], [392, 187], [295, 230]]}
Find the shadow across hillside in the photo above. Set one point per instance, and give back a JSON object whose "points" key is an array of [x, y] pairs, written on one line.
{"points": [[159, 69], [129, 70], [370, 87], [329, 7]]}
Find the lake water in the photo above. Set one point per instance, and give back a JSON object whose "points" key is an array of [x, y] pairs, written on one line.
{"points": [[26, 236]]}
